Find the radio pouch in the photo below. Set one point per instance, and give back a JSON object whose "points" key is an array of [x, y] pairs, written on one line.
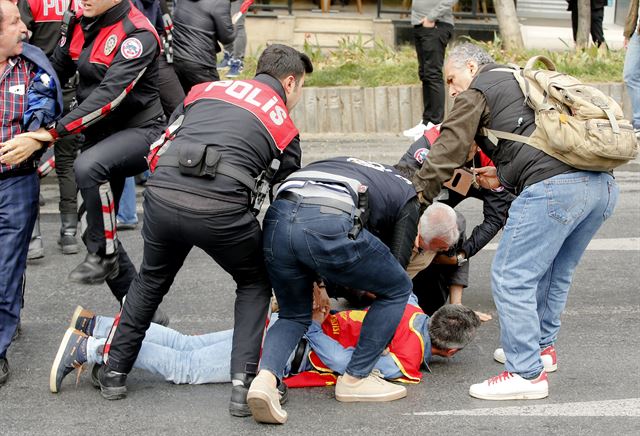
{"points": [[198, 160]]}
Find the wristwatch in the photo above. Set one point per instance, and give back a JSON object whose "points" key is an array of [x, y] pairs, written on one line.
{"points": [[461, 259]]}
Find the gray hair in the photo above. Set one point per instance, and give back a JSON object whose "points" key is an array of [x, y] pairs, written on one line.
{"points": [[461, 54], [439, 221], [453, 326]]}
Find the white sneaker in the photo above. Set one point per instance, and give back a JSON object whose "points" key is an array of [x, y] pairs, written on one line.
{"points": [[417, 131], [372, 388], [509, 386], [264, 401], [548, 356]]}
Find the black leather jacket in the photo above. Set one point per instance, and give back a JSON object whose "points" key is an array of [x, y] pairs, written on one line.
{"points": [[198, 27]]}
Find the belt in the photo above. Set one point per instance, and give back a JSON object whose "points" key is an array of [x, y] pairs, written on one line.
{"points": [[318, 201], [298, 356]]}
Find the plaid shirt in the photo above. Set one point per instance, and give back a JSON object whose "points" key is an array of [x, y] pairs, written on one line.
{"points": [[14, 85]]}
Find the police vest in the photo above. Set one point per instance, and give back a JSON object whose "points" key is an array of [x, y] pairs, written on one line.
{"points": [[110, 38], [407, 347], [255, 97], [47, 11]]}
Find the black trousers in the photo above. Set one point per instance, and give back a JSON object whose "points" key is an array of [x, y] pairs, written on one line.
{"points": [[192, 73], [597, 34], [171, 92], [65, 151], [431, 43], [232, 237], [431, 286], [106, 164]]}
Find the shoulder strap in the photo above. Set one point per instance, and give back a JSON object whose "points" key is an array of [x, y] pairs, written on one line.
{"points": [[495, 135]]}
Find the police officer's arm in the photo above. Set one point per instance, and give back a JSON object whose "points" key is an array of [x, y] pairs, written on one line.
{"points": [[118, 81], [495, 206], [451, 148], [291, 160], [405, 230], [225, 30], [63, 64], [26, 15]]}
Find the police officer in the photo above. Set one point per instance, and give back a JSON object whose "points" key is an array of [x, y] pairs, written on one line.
{"points": [[43, 19], [351, 222], [199, 27], [115, 50], [223, 136]]}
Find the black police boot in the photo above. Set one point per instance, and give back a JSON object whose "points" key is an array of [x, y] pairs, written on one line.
{"points": [[67, 240], [160, 318], [113, 385], [241, 382], [95, 269]]}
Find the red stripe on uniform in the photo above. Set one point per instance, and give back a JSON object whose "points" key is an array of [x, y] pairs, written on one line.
{"points": [[107, 208]]}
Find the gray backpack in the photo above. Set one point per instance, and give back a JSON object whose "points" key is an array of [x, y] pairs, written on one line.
{"points": [[575, 123]]}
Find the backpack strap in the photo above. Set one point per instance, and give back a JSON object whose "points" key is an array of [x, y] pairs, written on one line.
{"points": [[495, 135]]}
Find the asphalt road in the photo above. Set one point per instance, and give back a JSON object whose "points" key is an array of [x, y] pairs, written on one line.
{"points": [[596, 389]]}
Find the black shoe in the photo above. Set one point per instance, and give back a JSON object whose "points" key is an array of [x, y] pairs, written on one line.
{"points": [[94, 375], [72, 355], [160, 318], [238, 405], [95, 269], [4, 370], [68, 228], [68, 244], [113, 385]]}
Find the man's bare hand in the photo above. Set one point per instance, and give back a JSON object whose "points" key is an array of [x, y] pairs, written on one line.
{"points": [[487, 177], [320, 297], [41, 135], [428, 23], [625, 43], [484, 317], [18, 149]]}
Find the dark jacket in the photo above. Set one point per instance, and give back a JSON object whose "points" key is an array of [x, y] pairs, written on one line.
{"points": [[198, 27], [116, 55], [239, 136]]}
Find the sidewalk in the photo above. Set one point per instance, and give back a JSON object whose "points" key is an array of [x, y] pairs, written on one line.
{"points": [[557, 34]]}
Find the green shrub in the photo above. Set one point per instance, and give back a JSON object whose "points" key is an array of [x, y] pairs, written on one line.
{"points": [[354, 64]]}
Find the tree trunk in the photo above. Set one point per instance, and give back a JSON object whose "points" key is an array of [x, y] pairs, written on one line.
{"points": [[509, 25], [584, 24]]}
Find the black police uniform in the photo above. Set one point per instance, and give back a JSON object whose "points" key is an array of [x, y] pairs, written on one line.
{"points": [[120, 115], [212, 213]]}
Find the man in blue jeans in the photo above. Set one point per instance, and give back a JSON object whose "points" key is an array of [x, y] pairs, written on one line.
{"points": [[353, 223], [30, 96], [557, 211], [631, 71]]}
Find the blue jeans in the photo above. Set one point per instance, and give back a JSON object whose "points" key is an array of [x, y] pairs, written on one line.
{"points": [[549, 227], [631, 74], [176, 357], [127, 207], [18, 211], [302, 242]]}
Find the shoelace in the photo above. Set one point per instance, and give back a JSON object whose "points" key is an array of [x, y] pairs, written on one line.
{"points": [[499, 378]]}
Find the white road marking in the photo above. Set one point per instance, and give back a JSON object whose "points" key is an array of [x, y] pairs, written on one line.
{"points": [[628, 407], [608, 244]]}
